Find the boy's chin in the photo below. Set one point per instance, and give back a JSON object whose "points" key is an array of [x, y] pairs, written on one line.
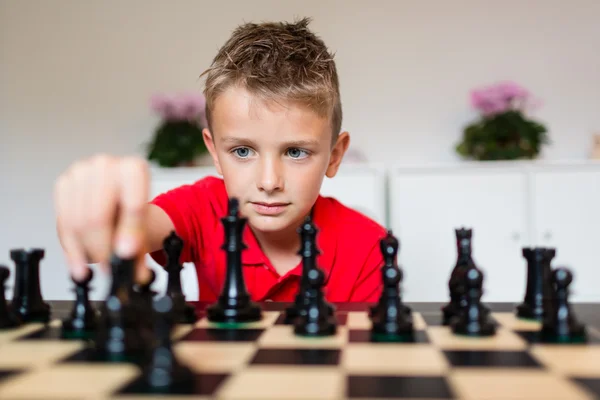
{"points": [[268, 224]]}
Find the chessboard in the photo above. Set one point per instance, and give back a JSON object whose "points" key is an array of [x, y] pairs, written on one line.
{"points": [[137, 344], [266, 360]]}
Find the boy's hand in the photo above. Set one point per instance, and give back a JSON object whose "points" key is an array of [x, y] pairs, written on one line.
{"points": [[101, 206]]}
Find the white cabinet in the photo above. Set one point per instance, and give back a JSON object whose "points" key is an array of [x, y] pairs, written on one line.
{"points": [[566, 215], [361, 187], [427, 206]]}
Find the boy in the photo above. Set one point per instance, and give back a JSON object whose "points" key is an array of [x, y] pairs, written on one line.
{"points": [[274, 119]]}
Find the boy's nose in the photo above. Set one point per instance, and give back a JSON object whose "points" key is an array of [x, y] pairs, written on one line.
{"points": [[270, 179]]}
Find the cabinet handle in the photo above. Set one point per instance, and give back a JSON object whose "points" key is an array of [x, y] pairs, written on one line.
{"points": [[516, 236], [547, 235]]}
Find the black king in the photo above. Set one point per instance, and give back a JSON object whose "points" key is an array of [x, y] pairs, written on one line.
{"points": [[234, 304]]}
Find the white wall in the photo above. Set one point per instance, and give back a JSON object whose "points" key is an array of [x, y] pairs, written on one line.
{"points": [[75, 78]]}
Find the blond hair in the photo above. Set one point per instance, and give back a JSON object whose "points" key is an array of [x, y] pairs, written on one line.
{"points": [[278, 61]]}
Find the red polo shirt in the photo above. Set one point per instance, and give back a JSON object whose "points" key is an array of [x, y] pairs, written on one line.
{"points": [[348, 241]]}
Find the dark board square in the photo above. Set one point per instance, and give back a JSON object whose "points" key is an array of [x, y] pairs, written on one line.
{"points": [[436, 319], [365, 336], [6, 374], [533, 337], [90, 355], [397, 387], [296, 357], [204, 384], [54, 333], [222, 335], [467, 358], [433, 319], [48, 332], [340, 318], [591, 385]]}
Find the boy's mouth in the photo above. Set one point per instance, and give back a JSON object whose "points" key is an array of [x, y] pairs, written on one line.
{"points": [[269, 208]]}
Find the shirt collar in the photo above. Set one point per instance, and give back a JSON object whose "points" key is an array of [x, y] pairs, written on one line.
{"points": [[322, 215]]}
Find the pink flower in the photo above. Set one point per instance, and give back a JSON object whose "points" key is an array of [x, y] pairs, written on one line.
{"points": [[184, 106], [499, 98]]}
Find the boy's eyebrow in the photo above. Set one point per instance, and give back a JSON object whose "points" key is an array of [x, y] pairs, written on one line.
{"points": [[302, 143], [293, 143], [233, 139]]}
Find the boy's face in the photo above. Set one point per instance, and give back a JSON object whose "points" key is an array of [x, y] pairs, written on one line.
{"points": [[272, 158]]}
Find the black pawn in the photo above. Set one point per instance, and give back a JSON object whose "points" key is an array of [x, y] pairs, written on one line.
{"points": [[539, 285], [473, 319], [7, 318], [82, 322], [164, 373], [560, 323], [390, 317], [173, 246], [234, 304], [464, 261], [27, 301], [309, 252], [316, 320]]}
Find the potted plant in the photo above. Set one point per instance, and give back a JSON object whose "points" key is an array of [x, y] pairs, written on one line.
{"points": [[177, 140], [503, 131]]}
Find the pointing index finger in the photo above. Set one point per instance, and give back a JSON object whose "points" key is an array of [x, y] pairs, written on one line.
{"points": [[133, 197]]}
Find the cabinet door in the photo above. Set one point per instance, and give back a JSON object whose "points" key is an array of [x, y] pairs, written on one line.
{"points": [[361, 187], [425, 210], [566, 210]]}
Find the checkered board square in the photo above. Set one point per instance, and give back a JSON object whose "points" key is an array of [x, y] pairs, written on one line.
{"points": [[266, 360]]}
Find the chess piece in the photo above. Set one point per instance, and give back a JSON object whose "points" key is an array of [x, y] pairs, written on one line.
{"points": [[390, 317], [164, 372], [316, 320], [309, 251], [118, 337], [539, 286], [473, 320], [27, 301], [234, 304], [173, 246], [8, 319], [560, 323], [463, 261], [82, 322], [145, 291]]}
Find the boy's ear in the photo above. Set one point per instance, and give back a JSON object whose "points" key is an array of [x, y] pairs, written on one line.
{"points": [[210, 145], [337, 154]]}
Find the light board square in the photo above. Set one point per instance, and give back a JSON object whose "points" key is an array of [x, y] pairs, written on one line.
{"points": [[512, 322], [36, 354], [214, 356], [284, 383], [69, 381], [514, 384], [283, 336], [569, 360], [405, 360], [504, 339]]}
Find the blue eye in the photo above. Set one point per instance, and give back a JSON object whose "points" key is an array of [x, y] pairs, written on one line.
{"points": [[297, 153], [242, 152]]}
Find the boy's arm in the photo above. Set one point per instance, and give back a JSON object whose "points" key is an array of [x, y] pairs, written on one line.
{"points": [[172, 211], [158, 226]]}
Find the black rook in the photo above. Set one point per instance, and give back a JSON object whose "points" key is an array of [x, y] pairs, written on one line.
{"points": [[27, 302]]}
